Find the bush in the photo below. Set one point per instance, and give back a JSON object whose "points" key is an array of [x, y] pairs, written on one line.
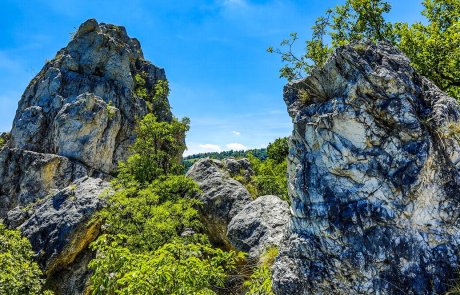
{"points": [[152, 240], [19, 274], [260, 282], [270, 174], [432, 46]]}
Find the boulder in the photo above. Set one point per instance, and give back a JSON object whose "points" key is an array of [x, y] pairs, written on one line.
{"points": [[223, 197], [231, 217], [260, 224], [60, 227], [373, 177]]}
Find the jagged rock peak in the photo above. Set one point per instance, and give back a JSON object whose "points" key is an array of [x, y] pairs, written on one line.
{"points": [[116, 34], [373, 177], [73, 124], [83, 103]]}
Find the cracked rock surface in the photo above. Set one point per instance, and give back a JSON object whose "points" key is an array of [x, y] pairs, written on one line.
{"points": [[74, 123], [232, 218], [374, 181]]}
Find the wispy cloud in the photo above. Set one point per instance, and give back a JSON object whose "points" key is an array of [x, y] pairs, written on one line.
{"points": [[236, 146], [210, 147], [236, 133]]}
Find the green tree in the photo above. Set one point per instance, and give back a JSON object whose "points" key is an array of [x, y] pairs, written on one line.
{"points": [[19, 274], [269, 178], [434, 47], [157, 150], [153, 241], [278, 150], [356, 20]]}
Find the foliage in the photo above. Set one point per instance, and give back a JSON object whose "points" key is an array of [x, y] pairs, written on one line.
{"points": [[356, 20], [157, 149], [270, 174], [160, 102], [278, 150], [434, 47], [152, 241], [151, 216], [269, 178], [260, 282], [19, 274], [156, 96], [140, 89], [177, 267], [258, 153], [2, 142]]}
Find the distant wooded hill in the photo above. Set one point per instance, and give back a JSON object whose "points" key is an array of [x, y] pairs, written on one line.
{"points": [[258, 153]]}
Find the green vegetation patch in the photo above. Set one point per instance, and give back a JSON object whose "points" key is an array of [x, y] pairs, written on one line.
{"points": [[19, 273]]}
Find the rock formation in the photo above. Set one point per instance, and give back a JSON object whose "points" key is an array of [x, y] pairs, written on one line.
{"points": [[231, 217], [84, 102], [74, 123], [374, 180], [261, 223]]}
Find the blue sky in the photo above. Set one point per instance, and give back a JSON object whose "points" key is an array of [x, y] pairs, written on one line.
{"points": [[213, 52]]}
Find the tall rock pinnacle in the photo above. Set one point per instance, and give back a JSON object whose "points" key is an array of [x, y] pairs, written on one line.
{"points": [[83, 103], [374, 179], [74, 123]]}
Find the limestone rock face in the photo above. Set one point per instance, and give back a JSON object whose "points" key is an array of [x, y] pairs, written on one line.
{"points": [[83, 103], [53, 226], [373, 177], [26, 176], [223, 197], [74, 123], [259, 224], [60, 228], [230, 215], [86, 130]]}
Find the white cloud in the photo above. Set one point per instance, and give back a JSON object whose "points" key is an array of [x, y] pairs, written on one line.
{"points": [[197, 148], [236, 146], [237, 133], [211, 147]]}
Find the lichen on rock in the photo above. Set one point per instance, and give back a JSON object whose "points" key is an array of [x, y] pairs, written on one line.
{"points": [[74, 123], [232, 218], [87, 93], [373, 179]]}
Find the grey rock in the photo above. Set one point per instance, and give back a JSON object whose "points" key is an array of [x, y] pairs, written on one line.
{"points": [[260, 224], [373, 178], [231, 217], [91, 81], [74, 278], [86, 130], [238, 166], [223, 197], [26, 177], [60, 226], [74, 123]]}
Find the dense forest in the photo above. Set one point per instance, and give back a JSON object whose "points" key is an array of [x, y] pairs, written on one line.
{"points": [[258, 153]]}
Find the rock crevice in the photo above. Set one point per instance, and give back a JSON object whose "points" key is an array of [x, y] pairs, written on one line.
{"points": [[74, 123], [373, 177]]}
